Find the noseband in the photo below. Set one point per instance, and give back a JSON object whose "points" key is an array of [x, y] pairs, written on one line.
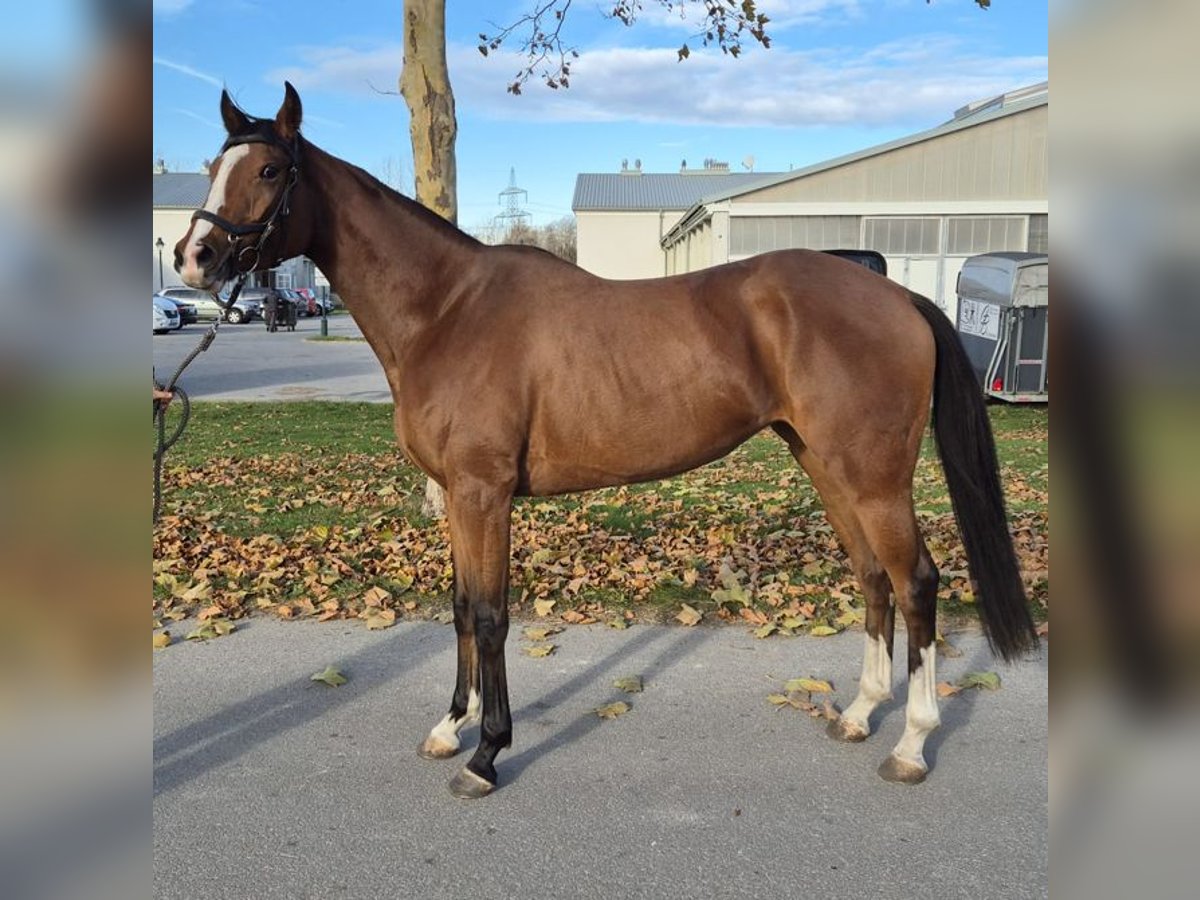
{"points": [[246, 259]]}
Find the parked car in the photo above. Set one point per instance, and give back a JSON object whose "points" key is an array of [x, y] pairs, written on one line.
{"points": [[308, 306], [246, 308], [166, 315], [188, 314]]}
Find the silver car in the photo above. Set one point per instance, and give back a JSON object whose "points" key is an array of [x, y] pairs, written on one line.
{"points": [[247, 307]]}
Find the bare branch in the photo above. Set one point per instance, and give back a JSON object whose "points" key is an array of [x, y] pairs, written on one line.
{"points": [[539, 34]]}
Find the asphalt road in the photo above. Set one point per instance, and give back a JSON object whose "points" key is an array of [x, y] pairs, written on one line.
{"points": [[268, 785], [245, 362]]}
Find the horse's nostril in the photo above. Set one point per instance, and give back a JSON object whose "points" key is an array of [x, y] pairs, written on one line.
{"points": [[204, 255], [178, 259]]}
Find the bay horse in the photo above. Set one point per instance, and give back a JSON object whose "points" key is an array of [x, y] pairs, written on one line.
{"points": [[517, 374]]}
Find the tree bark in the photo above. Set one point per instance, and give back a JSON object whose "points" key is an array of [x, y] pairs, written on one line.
{"points": [[425, 86]]}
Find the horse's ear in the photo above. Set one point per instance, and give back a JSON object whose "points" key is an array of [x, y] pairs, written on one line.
{"points": [[287, 120], [235, 120]]}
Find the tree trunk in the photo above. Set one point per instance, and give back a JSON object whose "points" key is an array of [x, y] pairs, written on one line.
{"points": [[425, 86]]}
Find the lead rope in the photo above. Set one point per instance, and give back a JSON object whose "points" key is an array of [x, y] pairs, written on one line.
{"points": [[164, 443]]}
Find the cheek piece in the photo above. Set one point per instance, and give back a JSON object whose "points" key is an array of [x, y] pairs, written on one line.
{"points": [[247, 258]]}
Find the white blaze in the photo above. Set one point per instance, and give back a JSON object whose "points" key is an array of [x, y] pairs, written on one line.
{"points": [[191, 272]]}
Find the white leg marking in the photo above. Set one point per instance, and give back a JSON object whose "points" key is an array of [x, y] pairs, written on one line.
{"points": [[874, 687], [192, 273], [445, 732], [921, 714]]}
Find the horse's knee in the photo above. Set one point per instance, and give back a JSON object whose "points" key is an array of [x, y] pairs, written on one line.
{"points": [[491, 629]]}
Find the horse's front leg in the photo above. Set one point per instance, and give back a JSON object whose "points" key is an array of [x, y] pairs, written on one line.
{"points": [[479, 514], [443, 740]]}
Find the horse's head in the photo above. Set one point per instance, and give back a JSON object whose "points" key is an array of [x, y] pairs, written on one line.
{"points": [[249, 220]]}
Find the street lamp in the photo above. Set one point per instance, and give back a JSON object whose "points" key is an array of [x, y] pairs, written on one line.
{"points": [[160, 243]]}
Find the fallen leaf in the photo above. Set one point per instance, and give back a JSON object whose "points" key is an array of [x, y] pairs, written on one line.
{"points": [[688, 615], [213, 628], [612, 710], [161, 639], [766, 630], [543, 607], [779, 699], [829, 711], [987, 680], [822, 631], [849, 617], [331, 677], [618, 623], [631, 684], [376, 596], [445, 617], [947, 649], [540, 632], [811, 685], [539, 650], [946, 689], [380, 619]]}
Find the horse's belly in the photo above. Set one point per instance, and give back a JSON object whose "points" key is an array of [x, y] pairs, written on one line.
{"points": [[589, 460]]}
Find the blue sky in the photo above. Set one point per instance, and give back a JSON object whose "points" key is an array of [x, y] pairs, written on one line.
{"points": [[841, 75]]}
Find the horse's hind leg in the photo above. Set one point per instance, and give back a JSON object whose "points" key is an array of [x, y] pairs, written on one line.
{"points": [[891, 528], [875, 684]]}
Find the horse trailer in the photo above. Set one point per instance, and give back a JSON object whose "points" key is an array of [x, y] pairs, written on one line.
{"points": [[1003, 322]]}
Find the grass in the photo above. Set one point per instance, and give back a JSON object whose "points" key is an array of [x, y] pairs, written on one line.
{"points": [[318, 497]]}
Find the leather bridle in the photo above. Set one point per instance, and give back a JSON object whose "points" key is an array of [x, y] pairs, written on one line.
{"points": [[246, 258]]}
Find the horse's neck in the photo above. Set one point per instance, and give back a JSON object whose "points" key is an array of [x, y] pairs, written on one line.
{"points": [[388, 261]]}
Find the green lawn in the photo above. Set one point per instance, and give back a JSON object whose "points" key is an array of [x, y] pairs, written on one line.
{"points": [[300, 508]]}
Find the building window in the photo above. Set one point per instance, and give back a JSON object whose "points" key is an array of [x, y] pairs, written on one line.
{"points": [[969, 235], [749, 235], [903, 237], [1039, 234]]}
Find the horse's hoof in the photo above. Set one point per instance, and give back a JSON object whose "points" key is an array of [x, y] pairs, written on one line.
{"points": [[902, 771], [466, 785], [847, 731], [435, 748]]}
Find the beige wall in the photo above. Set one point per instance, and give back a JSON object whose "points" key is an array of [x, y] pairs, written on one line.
{"points": [[1004, 159], [623, 244], [170, 225]]}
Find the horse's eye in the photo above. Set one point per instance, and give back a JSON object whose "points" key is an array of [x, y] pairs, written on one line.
{"points": [[268, 173]]}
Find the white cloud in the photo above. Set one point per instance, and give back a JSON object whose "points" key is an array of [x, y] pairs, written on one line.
{"points": [[888, 84], [345, 69], [188, 70], [901, 82], [781, 14]]}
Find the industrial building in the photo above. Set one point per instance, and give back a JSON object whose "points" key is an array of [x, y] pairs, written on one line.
{"points": [[977, 183]]}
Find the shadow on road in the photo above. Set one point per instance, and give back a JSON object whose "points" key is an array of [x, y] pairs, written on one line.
{"points": [[194, 749], [683, 644]]}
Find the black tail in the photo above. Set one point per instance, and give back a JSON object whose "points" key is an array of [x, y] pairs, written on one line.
{"points": [[964, 441]]}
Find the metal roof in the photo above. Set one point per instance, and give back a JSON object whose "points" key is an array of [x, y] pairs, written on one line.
{"points": [[180, 190], [672, 190]]}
